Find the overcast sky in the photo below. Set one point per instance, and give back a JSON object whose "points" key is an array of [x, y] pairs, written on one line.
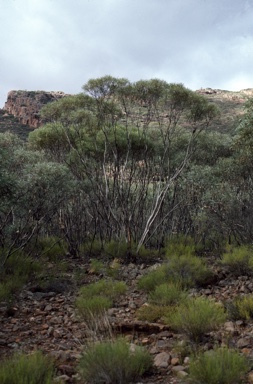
{"points": [[60, 44]]}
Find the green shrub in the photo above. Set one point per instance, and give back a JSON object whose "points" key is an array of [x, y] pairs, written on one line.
{"points": [[167, 294], [5, 292], [113, 363], [239, 260], [151, 313], [196, 317], [116, 249], [113, 269], [91, 248], [183, 349], [152, 279], [241, 308], [90, 307], [147, 254], [121, 250], [50, 246], [95, 298], [21, 265], [188, 270], [27, 369], [97, 266], [222, 365], [107, 288], [17, 270], [180, 245], [11, 286], [53, 247]]}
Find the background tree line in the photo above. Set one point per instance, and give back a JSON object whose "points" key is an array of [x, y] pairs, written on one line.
{"points": [[129, 163]]}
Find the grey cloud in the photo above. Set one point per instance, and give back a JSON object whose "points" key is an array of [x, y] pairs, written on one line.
{"points": [[60, 44]]}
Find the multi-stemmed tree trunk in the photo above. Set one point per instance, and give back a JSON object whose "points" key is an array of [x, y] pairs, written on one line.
{"points": [[128, 144]]}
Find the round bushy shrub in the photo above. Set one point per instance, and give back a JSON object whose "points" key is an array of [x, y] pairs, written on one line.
{"points": [[167, 294], [92, 307], [239, 260], [180, 245], [188, 270], [107, 288], [152, 279], [151, 313], [222, 365], [240, 308], [113, 362], [195, 317], [27, 369], [185, 270], [95, 298]]}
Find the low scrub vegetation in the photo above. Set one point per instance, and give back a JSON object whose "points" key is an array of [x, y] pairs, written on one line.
{"points": [[161, 301], [113, 362], [108, 288], [105, 269], [151, 280], [240, 308], [195, 317], [188, 270], [239, 260], [221, 365], [17, 270], [91, 249], [52, 247], [167, 294], [146, 181], [27, 369], [151, 312], [121, 250], [95, 298], [180, 245], [116, 249], [97, 266], [90, 307], [181, 270]]}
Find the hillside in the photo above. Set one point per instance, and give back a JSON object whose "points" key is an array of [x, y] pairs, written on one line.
{"points": [[21, 111], [45, 317], [131, 219], [231, 105]]}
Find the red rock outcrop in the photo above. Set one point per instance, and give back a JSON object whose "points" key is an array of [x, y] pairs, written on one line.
{"points": [[26, 105]]}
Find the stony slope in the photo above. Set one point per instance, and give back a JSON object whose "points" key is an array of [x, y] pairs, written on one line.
{"points": [[46, 319], [231, 105]]}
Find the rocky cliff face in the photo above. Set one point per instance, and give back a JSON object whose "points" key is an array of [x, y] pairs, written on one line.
{"points": [[26, 105]]}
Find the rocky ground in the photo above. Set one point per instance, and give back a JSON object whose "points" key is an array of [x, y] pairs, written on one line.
{"points": [[46, 319]]}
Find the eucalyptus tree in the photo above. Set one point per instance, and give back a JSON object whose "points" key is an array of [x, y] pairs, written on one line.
{"points": [[128, 143], [225, 205], [197, 189], [234, 207], [32, 195], [243, 142], [168, 114]]}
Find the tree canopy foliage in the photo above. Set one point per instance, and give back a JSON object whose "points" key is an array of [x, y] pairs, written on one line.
{"points": [[129, 162]]}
